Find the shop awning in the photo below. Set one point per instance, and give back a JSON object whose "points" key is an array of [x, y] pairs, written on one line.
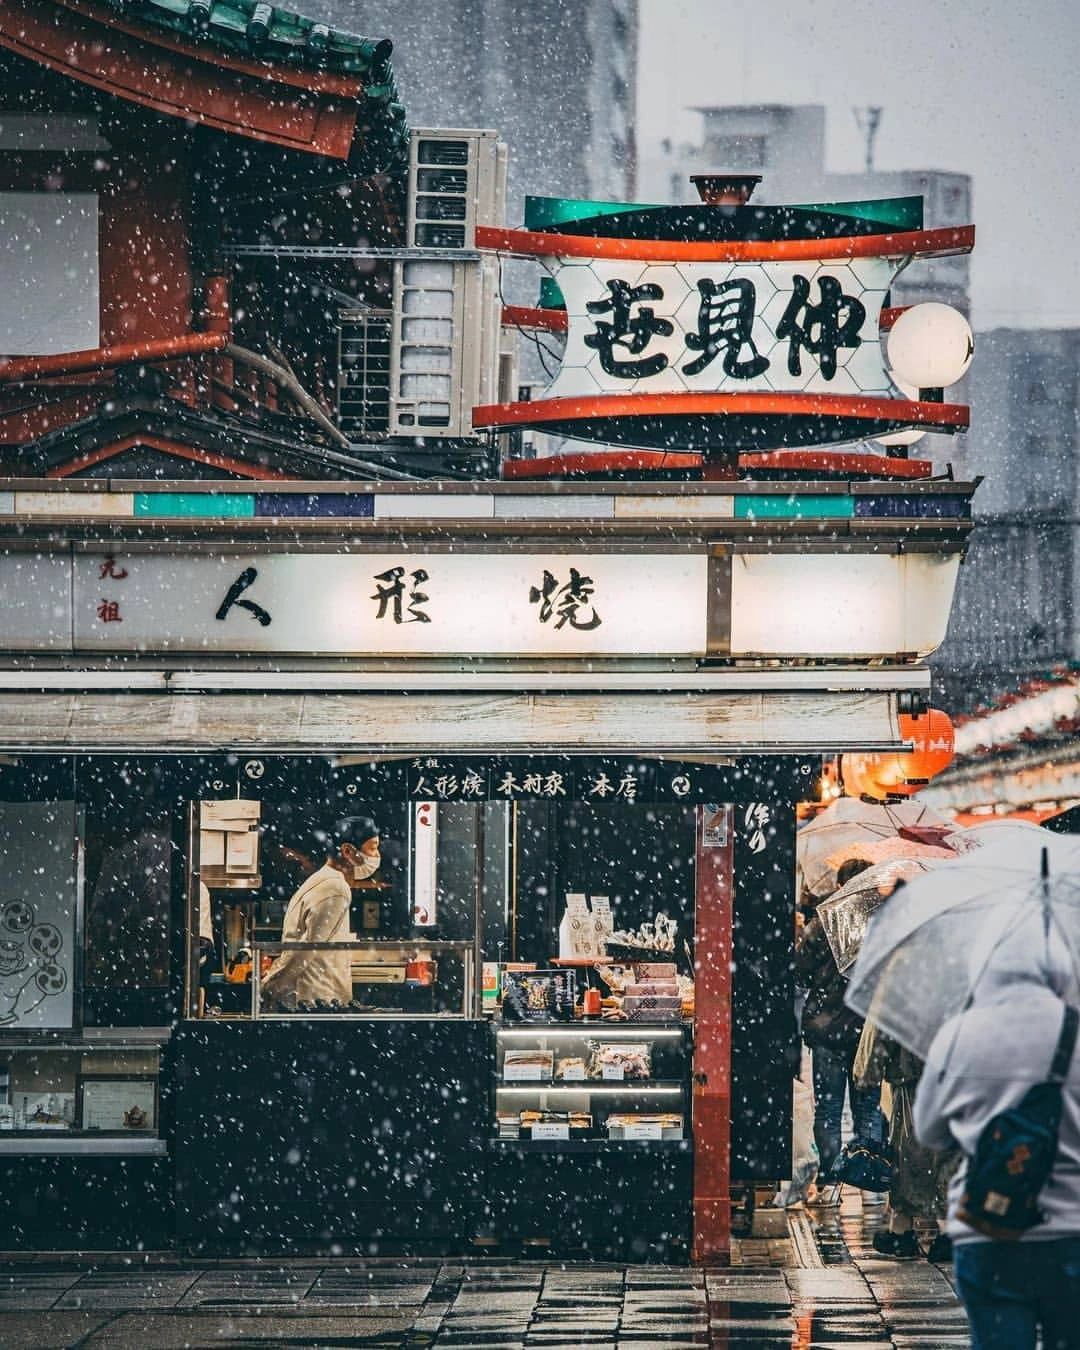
{"points": [[688, 721]]}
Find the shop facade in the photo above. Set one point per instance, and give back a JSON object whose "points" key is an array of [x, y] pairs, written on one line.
{"points": [[618, 691]]}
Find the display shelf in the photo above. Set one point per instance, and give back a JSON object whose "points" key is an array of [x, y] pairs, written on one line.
{"points": [[595, 1145], [608, 1030], [587, 1086], [667, 1094], [45, 1143]]}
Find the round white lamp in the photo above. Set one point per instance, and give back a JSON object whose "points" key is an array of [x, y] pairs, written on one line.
{"points": [[930, 346], [910, 434]]}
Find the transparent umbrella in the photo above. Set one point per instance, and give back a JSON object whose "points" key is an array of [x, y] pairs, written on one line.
{"points": [[850, 821], [845, 915], [991, 832], [925, 954]]}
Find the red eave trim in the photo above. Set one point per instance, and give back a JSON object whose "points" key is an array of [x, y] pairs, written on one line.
{"points": [[897, 410], [25, 369], [226, 463], [176, 82], [523, 316], [837, 461], [600, 461], [316, 81], [910, 244], [629, 461]]}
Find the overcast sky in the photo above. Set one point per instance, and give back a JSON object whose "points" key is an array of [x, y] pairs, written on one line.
{"points": [[986, 87]]}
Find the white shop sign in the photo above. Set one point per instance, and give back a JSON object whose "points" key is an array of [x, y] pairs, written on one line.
{"points": [[669, 328], [393, 604]]}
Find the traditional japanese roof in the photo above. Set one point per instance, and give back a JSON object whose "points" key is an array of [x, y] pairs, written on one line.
{"points": [[242, 67], [171, 433], [250, 28]]}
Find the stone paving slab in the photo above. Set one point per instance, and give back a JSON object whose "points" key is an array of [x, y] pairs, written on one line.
{"points": [[860, 1301], [136, 1331], [29, 1291], [115, 1291]]}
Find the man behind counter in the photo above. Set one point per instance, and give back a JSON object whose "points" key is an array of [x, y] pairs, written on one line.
{"points": [[319, 912]]}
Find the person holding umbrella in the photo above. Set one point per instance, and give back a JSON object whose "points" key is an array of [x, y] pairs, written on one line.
{"points": [[976, 973], [831, 1032]]}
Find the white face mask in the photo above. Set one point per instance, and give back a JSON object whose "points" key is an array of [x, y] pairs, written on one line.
{"points": [[366, 865]]}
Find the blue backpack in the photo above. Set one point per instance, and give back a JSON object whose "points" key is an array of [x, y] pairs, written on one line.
{"points": [[1015, 1153]]}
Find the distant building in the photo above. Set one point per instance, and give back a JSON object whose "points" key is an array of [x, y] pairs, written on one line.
{"points": [[1017, 610], [786, 145], [557, 80]]}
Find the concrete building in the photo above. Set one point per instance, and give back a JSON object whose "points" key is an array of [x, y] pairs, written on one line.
{"points": [[1017, 608], [557, 81], [786, 145]]}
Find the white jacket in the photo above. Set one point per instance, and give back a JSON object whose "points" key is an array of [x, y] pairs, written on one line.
{"points": [[984, 1060], [318, 912]]}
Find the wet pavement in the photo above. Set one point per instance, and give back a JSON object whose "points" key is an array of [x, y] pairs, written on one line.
{"points": [[824, 1288]]}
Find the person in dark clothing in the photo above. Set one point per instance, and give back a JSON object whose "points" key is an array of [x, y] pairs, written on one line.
{"points": [[831, 1031]]}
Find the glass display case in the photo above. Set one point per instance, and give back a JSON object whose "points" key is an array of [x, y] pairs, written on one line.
{"points": [[592, 1086], [95, 1093], [413, 978]]}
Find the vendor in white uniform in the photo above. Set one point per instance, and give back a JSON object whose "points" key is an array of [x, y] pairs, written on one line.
{"points": [[319, 912]]}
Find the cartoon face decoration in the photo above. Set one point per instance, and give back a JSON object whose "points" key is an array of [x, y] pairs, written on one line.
{"points": [[51, 978], [17, 916], [12, 957], [45, 941], [135, 1118]]}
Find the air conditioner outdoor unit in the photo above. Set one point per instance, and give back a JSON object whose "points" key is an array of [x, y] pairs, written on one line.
{"points": [[446, 350], [363, 372]]}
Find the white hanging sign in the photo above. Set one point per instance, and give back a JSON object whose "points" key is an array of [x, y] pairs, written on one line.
{"points": [[716, 327]]}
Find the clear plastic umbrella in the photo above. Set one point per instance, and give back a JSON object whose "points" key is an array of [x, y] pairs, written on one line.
{"points": [[991, 832], [925, 953], [851, 821], [845, 915]]}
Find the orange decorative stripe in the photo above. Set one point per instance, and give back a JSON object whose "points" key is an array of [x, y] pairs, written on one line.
{"points": [[889, 316], [909, 244], [633, 460], [227, 463], [691, 404], [523, 316]]}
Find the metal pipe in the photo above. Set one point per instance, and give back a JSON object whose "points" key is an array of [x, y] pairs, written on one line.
{"points": [[292, 386]]}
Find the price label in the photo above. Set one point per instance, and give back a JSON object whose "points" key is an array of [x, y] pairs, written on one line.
{"points": [[574, 1074], [549, 1129], [651, 1129], [613, 1073], [523, 1073]]}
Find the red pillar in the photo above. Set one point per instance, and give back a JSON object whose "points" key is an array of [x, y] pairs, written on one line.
{"points": [[712, 1037]]}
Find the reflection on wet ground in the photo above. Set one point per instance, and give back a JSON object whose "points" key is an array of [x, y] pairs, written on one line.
{"points": [[835, 1294]]}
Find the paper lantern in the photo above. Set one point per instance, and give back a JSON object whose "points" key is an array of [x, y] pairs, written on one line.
{"points": [[891, 774], [930, 345], [911, 434]]}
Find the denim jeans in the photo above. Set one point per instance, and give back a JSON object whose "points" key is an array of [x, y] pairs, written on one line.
{"points": [[832, 1076], [1012, 1289]]}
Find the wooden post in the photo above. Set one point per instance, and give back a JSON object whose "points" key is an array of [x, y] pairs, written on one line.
{"points": [[712, 1037]]}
